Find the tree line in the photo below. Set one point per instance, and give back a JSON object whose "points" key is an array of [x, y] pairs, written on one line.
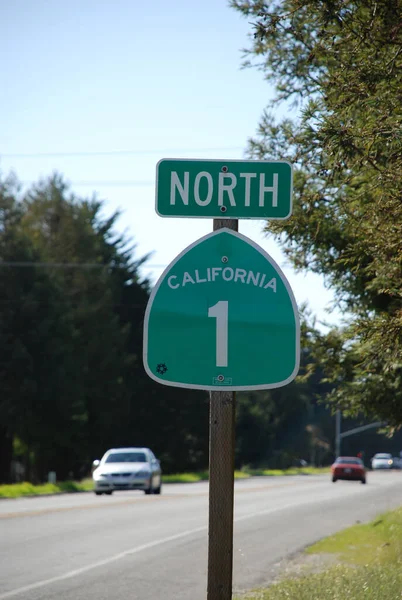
{"points": [[337, 72], [72, 382], [72, 301]]}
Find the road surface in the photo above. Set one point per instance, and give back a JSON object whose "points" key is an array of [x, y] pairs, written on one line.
{"points": [[135, 547]]}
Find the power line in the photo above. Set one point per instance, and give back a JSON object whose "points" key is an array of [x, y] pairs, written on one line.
{"points": [[101, 183], [22, 264], [71, 303], [116, 152]]}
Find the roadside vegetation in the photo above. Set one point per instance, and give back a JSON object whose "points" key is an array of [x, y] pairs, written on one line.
{"points": [[369, 560], [84, 388], [249, 472], [336, 72], [244, 473], [17, 490]]}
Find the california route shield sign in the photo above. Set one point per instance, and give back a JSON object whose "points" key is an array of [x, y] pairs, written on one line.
{"points": [[222, 316]]}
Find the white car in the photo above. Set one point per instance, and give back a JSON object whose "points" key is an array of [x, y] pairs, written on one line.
{"points": [[382, 461], [127, 469]]}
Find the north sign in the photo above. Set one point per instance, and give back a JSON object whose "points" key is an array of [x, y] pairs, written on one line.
{"points": [[222, 316], [233, 189]]}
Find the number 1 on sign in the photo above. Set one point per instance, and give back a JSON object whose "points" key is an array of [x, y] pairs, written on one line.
{"points": [[220, 312]]}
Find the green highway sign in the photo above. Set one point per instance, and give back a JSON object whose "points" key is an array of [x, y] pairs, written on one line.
{"points": [[233, 189], [222, 316]]}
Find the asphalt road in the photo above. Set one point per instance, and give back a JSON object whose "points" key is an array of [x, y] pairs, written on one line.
{"points": [[135, 547]]}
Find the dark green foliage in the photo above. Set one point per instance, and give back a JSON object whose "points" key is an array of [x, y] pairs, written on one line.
{"points": [[277, 427], [72, 382], [35, 329], [72, 304], [337, 66]]}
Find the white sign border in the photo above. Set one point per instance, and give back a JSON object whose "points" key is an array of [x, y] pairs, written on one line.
{"points": [[222, 388]]}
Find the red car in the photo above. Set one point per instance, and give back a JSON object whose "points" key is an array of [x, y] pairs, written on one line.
{"points": [[348, 467]]}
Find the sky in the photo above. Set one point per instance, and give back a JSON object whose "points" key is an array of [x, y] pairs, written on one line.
{"points": [[101, 91]]}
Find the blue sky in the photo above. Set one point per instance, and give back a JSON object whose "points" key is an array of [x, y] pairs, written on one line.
{"points": [[101, 91]]}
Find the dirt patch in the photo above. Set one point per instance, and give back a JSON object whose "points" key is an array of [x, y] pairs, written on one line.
{"points": [[298, 565], [306, 564]]}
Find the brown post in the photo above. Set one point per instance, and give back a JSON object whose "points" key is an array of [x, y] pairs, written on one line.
{"points": [[221, 482]]}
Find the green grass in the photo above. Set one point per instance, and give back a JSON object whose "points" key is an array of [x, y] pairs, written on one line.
{"points": [[370, 568], [338, 583], [244, 473], [293, 471], [185, 477], [378, 542], [194, 477], [17, 490]]}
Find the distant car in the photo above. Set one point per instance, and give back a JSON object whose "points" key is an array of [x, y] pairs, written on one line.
{"points": [[127, 469], [382, 461], [349, 468]]}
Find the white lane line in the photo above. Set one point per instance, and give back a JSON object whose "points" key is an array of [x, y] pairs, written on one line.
{"points": [[100, 563], [116, 557]]}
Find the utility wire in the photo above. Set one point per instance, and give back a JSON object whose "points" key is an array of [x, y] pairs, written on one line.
{"points": [[71, 303], [102, 183], [116, 152], [22, 264]]}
